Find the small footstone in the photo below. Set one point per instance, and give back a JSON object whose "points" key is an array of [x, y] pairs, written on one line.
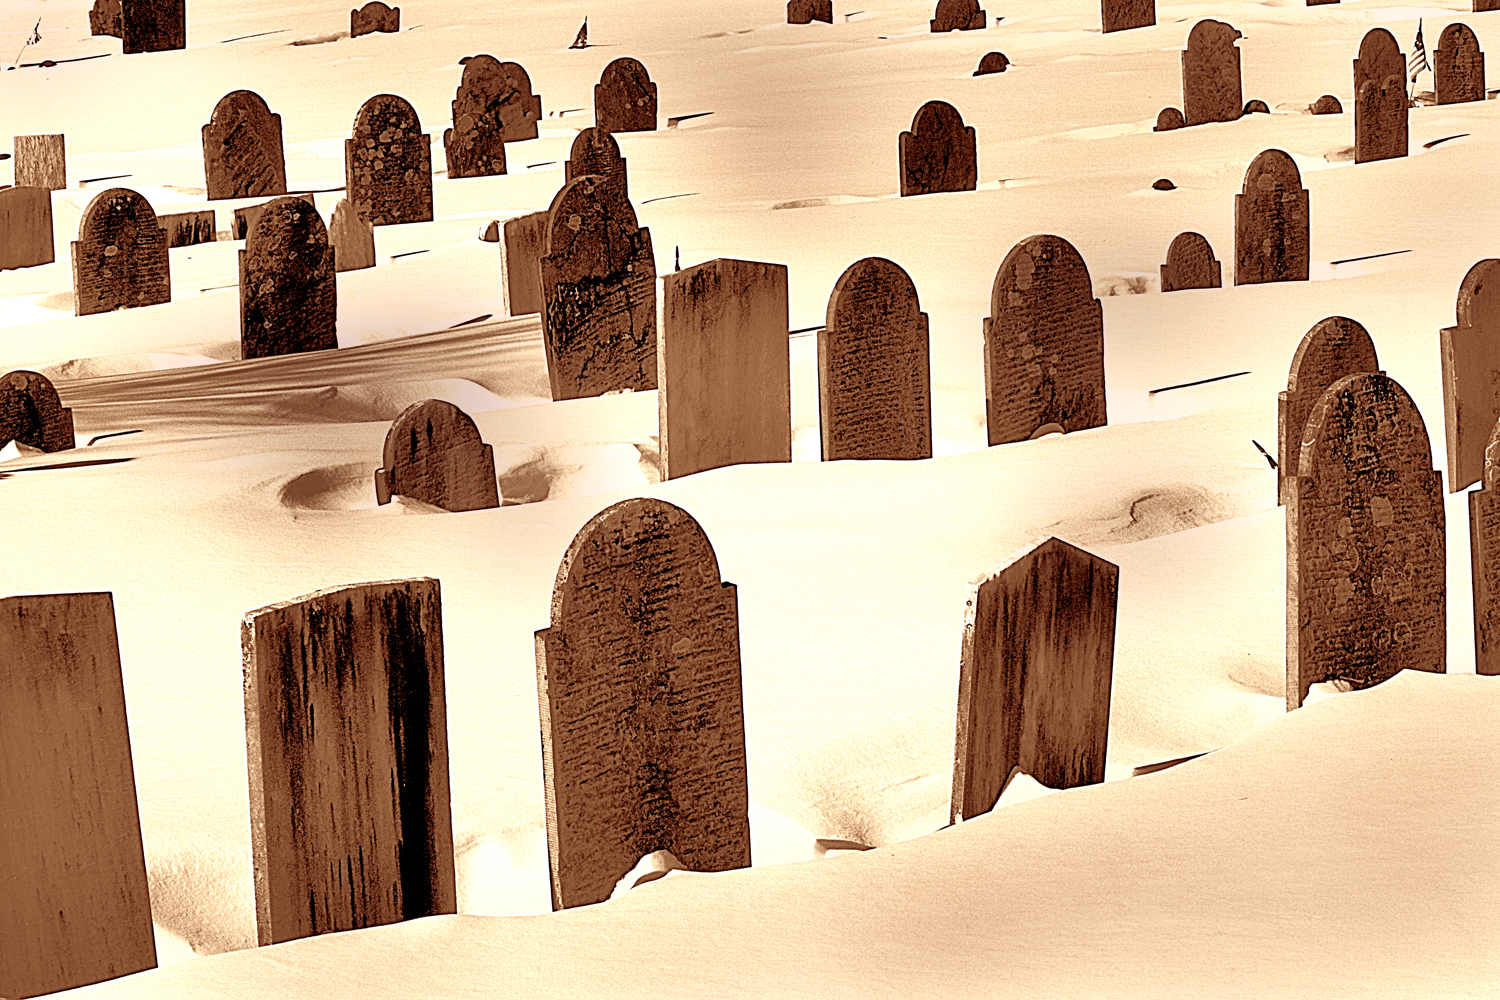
{"points": [[490, 231], [1169, 119], [993, 62], [352, 238], [1164, 184], [1257, 107], [1327, 105], [433, 453]]}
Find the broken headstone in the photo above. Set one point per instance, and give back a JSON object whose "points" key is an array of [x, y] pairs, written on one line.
{"points": [[433, 453]]}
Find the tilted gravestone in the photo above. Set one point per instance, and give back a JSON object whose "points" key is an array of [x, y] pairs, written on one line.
{"points": [[625, 98], [594, 151], [939, 153], [1190, 264], [1365, 553], [1458, 66], [1211, 74], [120, 257], [523, 245], [374, 16], [242, 154], [598, 290], [433, 453], [352, 238], [992, 62], [1484, 560], [1470, 353], [1272, 222], [41, 161], [1380, 101], [1121, 15], [25, 227], [153, 25], [77, 909], [494, 105], [104, 18], [724, 364], [32, 414], [957, 15], [808, 11], [874, 388], [1334, 348], [347, 744], [643, 732], [387, 163], [1043, 343], [1035, 673], [288, 289], [185, 229]]}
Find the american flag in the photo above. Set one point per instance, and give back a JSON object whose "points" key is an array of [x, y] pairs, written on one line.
{"points": [[1418, 61], [36, 34]]}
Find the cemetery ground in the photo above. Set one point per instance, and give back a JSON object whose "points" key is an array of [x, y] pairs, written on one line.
{"points": [[1347, 848]]}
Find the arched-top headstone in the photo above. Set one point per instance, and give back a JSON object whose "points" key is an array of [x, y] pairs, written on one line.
{"points": [[374, 16], [1334, 348], [1169, 119], [1484, 562], [1458, 66], [352, 238], [120, 257], [153, 25], [433, 453], [1272, 223], [242, 154], [1327, 105], [992, 62], [594, 151], [387, 163], [1190, 264], [1366, 549], [1470, 354], [874, 389], [494, 105], [1380, 101], [958, 15], [643, 732], [288, 289], [1043, 343], [105, 18], [1211, 74], [1121, 15], [808, 11], [32, 414], [625, 98], [939, 153]]}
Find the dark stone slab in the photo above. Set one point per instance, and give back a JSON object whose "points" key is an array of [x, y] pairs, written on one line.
{"points": [[120, 257], [521, 252], [388, 163], [1380, 101], [25, 227], [104, 18], [1211, 74], [939, 153], [153, 25], [288, 291], [494, 106], [352, 238], [1334, 348], [433, 453], [242, 154], [32, 414], [1470, 358], [374, 16], [625, 98], [808, 11], [1271, 222], [1458, 66], [1121, 15], [1190, 264], [1484, 560], [185, 229]]}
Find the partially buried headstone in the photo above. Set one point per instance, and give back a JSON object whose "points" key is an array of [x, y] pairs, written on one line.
{"points": [[957, 15], [1121, 15], [723, 356], [387, 163], [625, 98], [433, 453], [1327, 105], [374, 16], [1257, 107], [939, 153], [32, 414], [643, 731], [153, 25], [120, 257], [808, 11], [1366, 550], [1035, 673], [1470, 353], [242, 154], [288, 290], [352, 238], [1458, 66], [1380, 100], [1190, 264], [1211, 74], [1484, 5], [1316, 3], [77, 909], [1272, 222], [522, 247], [25, 227], [594, 151], [1334, 348], [494, 105], [104, 18], [1484, 560], [1168, 120], [992, 62], [41, 161], [1043, 343], [185, 229], [347, 744], [874, 391]]}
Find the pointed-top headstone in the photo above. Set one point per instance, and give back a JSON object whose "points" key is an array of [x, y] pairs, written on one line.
{"points": [[1334, 348], [242, 153]]}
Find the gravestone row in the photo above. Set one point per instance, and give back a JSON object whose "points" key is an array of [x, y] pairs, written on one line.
{"points": [[141, 25]]}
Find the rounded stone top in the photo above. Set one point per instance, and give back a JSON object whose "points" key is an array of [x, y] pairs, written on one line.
{"points": [[1479, 292], [625, 69], [1169, 119], [1364, 423], [937, 117], [417, 421], [1327, 105], [115, 202], [386, 110], [1163, 184], [992, 62], [1257, 107], [1046, 267], [238, 103], [1274, 165], [1210, 32]]}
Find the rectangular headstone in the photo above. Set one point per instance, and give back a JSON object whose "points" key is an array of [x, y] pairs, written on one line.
{"points": [[41, 161], [1469, 355], [153, 25], [1121, 15], [75, 904], [353, 238], [723, 367], [347, 735], [25, 227], [1484, 561], [184, 229], [1479, 5], [520, 263]]}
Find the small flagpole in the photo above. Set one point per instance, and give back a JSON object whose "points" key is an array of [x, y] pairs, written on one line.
{"points": [[36, 36]]}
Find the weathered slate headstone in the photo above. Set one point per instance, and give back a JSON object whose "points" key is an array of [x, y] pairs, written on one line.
{"points": [[1211, 74], [387, 163], [1034, 676], [1190, 264], [153, 25], [120, 257], [1121, 15], [352, 238], [957, 15], [494, 105], [32, 414], [1470, 353], [808, 11], [104, 18], [643, 731], [939, 153], [1043, 343], [1169, 119], [598, 290], [625, 98], [1458, 66], [1380, 101], [25, 227], [1484, 5], [288, 290], [521, 251], [874, 389], [41, 161], [246, 216], [433, 453], [1272, 222], [1327, 105], [77, 909], [594, 151], [242, 154], [724, 367], [374, 16], [1333, 349], [992, 62], [347, 740], [185, 229], [1484, 560]]}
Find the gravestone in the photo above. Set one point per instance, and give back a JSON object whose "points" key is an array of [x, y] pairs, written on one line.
{"points": [[1316, 3], [521, 252], [1190, 264], [1327, 105], [433, 453], [288, 291], [1121, 15], [724, 367], [77, 909], [1365, 542], [598, 291], [808, 11], [1470, 353], [625, 98], [1169, 119], [1484, 560], [957, 15], [874, 390], [594, 151], [1034, 676], [104, 18], [1256, 107], [992, 62], [1380, 101], [153, 25], [347, 743], [41, 161], [1334, 348], [374, 16], [494, 105], [1043, 343], [185, 229], [25, 227], [242, 154], [120, 257], [352, 239], [1484, 5], [1211, 74], [489, 232], [246, 216], [32, 414], [939, 153], [1272, 222], [1458, 66], [643, 732], [387, 163]]}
